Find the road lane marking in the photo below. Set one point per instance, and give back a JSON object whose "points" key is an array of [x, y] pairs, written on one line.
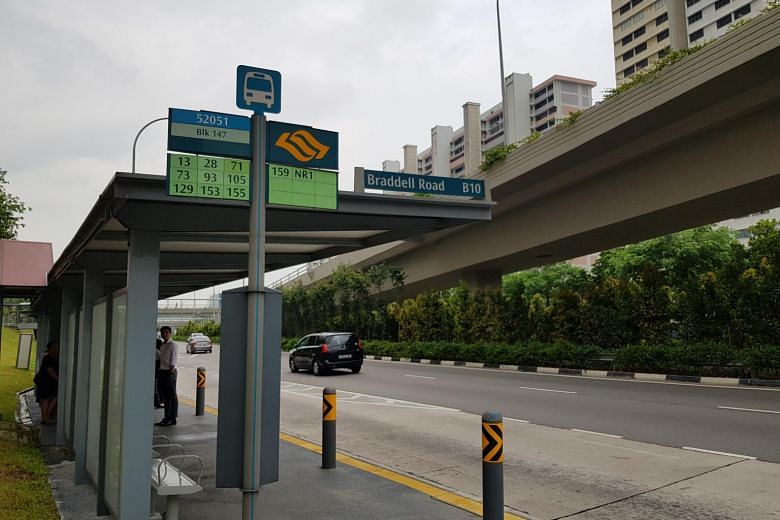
{"points": [[352, 398], [546, 390], [748, 457], [517, 420], [421, 377], [597, 433], [643, 452], [747, 409]]}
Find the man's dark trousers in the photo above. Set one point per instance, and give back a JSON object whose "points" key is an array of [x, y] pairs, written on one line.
{"points": [[167, 387]]}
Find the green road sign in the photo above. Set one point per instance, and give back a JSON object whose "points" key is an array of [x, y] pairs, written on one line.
{"points": [[208, 177], [295, 186]]}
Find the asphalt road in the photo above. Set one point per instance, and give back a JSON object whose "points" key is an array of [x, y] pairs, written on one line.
{"points": [[742, 421]]}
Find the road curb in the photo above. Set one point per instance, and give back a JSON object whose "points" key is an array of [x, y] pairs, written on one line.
{"points": [[609, 374]]}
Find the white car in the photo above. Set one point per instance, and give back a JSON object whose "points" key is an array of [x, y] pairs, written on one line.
{"points": [[198, 342]]}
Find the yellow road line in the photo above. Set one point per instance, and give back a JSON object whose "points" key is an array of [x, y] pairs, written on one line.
{"points": [[442, 495]]}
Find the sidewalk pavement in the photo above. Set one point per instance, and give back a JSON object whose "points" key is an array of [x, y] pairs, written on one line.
{"points": [[353, 490]]}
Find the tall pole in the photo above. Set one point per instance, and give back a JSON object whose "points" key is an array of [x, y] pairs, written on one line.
{"points": [[135, 141], [501, 62], [255, 312]]}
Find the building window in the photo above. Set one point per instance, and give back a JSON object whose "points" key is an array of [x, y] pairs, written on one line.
{"points": [[540, 104], [541, 127], [625, 41], [639, 32], [625, 7], [631, 20], [640, 48], [691, 2], [696, 35], [641, 64], [635, 3], [742, 11], [694, 17], [723, 21], [721, 3], [628, 55], [662, 35], [661, 19], [552, 110], [659, 4], [663, 52], [628, 71], [538, 94]]}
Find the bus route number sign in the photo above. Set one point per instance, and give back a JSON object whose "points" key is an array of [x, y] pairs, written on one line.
{"points": [[208, 177]]}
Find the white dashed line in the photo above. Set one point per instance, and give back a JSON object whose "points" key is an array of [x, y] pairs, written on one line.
{"points": [[421, 377], [747, 409], [598, 433], [546, 390], [516, 420], [748, 457]]}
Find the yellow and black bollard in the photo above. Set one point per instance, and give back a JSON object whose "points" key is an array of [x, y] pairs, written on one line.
{"points": [[328, 428], [200, 391], [492, 466]]}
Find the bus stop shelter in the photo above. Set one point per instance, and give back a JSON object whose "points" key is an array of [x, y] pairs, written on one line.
{"points": [[138, 245]]}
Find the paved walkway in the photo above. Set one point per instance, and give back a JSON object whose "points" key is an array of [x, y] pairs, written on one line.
{"points": [[353, 490]]}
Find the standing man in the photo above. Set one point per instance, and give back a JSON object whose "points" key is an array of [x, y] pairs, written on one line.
{"points": [[167, 377]]}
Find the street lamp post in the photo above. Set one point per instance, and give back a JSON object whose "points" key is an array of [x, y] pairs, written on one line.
{"points": [[135, 141], [501, 62]]}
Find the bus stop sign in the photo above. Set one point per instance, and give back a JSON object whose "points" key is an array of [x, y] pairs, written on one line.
{"points": [[259, 90]]}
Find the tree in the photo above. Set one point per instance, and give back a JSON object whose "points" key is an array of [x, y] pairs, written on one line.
{"points": [[12, 211], [545, 280]]}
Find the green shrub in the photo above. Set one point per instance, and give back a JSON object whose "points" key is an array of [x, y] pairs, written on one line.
{"points": [[760, 362]]}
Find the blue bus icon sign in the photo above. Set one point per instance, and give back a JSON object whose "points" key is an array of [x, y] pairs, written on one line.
{"points": [[259, 90]]}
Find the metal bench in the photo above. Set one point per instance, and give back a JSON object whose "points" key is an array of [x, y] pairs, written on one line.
{"points": [[170, 481]]}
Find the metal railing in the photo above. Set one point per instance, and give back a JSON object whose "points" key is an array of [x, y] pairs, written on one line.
{"points": [[281, 282]]}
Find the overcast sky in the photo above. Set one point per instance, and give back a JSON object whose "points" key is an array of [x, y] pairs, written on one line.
{"points": [[79, 79]]}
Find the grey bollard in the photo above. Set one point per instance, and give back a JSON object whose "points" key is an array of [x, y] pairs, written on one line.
{"points": [[492, 466], [328, 428], [200, 391]]}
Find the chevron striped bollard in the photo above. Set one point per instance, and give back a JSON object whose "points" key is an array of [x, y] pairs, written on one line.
{"points": [[328, 428], [492, 466], [200, 391]]}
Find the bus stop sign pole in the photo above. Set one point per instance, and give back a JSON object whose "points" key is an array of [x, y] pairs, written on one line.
{"points": [[255, 312]]}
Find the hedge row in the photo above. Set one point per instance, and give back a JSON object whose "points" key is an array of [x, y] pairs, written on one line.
{"points": [[697, 359]]}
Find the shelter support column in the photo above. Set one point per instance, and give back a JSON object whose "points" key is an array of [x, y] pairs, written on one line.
{"points": [[93, 289], [143, 276], [66, 367], [482, 279], [42, 336]]}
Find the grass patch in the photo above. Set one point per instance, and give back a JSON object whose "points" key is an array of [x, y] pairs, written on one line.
{"points": [[24, 484], [12, 379]]}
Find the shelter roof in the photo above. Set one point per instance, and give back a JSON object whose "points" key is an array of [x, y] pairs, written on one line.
{"points": [[204, 242]]}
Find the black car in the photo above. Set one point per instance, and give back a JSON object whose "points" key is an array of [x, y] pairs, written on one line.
{"points": [[324, 351]]}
